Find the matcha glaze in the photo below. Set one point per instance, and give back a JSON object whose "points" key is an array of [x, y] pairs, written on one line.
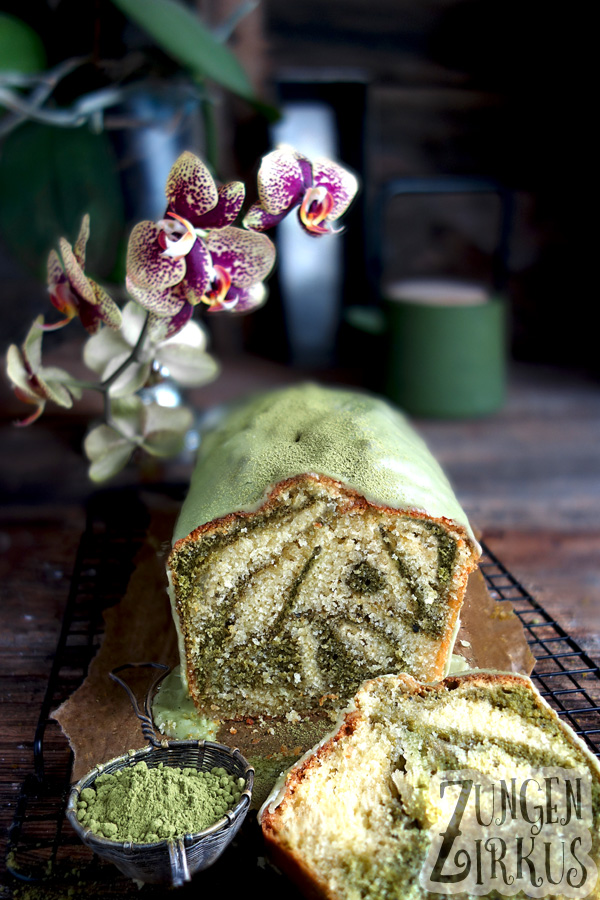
{"points": [[354, 438]]}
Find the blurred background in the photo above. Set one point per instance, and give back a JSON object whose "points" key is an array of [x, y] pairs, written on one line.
{"points": [[392, 88]]}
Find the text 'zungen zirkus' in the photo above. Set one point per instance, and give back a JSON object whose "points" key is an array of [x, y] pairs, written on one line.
{"points": [[528, 833]]}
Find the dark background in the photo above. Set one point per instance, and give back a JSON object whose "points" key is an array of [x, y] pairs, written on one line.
{"points": [[476, 87]]}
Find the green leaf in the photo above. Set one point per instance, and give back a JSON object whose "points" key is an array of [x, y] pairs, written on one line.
{"points": [[49, 177], [21, 48], [183, 37]]}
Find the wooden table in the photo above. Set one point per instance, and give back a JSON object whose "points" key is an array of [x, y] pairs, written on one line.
{"points": [[529, 477]]}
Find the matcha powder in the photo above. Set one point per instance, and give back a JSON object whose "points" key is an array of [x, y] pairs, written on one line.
{"points": [[144, 805]]}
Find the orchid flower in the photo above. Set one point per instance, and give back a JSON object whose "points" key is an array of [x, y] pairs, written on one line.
{"points": [[73, 293], [238, 268], [159, 430], [322, 190], [184, 355], [170, 264], [34, 383]]}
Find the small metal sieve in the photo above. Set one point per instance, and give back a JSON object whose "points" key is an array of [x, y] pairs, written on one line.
{"points": [[171, 861]]}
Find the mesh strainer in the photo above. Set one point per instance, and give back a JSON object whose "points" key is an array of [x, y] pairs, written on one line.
{"points": [[171, 861]]}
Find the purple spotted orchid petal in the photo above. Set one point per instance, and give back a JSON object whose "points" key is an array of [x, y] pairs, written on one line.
{"points": [[92, 304], [197, 274], [163, 302], [61, 295], [283, 177], [191, 190], [286, 179], [229, 204], [77, 279], [102, 311], [81, 242], [174, 324], [147, 266], [340, 184], [258, 219], [248, 257]]}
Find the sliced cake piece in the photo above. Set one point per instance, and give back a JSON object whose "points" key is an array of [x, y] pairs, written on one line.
{"points": [[357, 816], [320, 544]]}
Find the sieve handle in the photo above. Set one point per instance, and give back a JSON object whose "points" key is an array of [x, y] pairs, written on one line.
{"points": [[180, 872], [144, 715]]}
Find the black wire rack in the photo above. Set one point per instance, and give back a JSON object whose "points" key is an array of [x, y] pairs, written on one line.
{"points": [[42, 847]]}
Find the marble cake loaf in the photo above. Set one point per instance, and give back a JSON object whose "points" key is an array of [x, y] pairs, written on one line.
{"points": [[361, 815], [320, 544]]}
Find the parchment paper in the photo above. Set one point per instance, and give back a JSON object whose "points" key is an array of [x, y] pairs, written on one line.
{"points": [[98, 718]]}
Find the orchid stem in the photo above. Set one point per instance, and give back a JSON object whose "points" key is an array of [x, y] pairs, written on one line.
{"points": [[133, 356], [84, 385]]}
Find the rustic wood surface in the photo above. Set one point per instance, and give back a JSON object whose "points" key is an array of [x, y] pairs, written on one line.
{"points": [[528, 476]]}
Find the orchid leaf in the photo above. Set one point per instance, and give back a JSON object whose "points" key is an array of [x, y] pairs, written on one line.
{"points": [[183, 37], [64, 173], [21, 48]]}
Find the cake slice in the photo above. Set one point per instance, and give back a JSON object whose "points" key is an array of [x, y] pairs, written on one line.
{"points": [[320, 544], [357, 816]]}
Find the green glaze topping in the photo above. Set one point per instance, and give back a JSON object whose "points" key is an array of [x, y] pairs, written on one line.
{"points": [[354, 438], [174, 712]]}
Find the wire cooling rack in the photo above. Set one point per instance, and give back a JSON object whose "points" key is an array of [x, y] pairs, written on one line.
{"points": [[42, 847]]}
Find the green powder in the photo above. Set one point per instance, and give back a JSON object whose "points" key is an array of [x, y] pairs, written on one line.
{"points": [[145, 805]]}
